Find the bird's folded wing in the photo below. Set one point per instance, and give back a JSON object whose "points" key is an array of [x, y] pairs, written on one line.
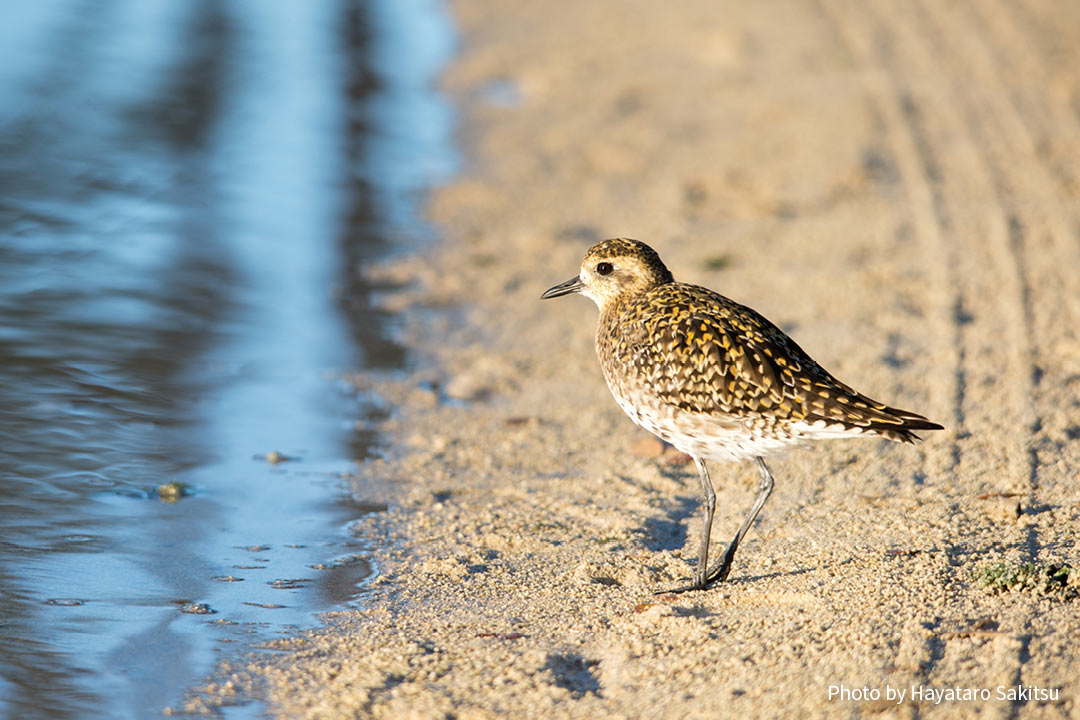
{"points": [[704, 353]]}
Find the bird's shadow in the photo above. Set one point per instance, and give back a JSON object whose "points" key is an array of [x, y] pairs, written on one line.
{"points": [[667, 531], [751, 579]]}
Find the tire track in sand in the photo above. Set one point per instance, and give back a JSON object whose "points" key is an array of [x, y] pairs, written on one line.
{"points": [[1018, 132], [956, 46], [949, 162], [1037, 170], [1003, 237]]}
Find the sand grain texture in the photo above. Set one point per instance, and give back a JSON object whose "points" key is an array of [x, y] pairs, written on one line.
{"points": [[896, 185]]}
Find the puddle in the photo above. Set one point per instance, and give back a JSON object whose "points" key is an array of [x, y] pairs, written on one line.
{"points": [[186, 193]]}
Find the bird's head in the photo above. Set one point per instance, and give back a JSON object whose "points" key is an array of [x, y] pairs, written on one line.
{"points": [[614, 269]]}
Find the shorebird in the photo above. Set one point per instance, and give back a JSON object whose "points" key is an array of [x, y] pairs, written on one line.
{"points": [[714, 378]]}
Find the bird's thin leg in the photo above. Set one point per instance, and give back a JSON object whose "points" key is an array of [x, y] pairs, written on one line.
{"points": [[709, 506], [719, 572]]}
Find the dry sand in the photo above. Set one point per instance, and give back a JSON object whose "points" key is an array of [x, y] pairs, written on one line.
{"points": [[896, 185]]}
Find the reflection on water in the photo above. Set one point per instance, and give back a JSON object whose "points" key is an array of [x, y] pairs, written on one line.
{"points": [[186, 190]]}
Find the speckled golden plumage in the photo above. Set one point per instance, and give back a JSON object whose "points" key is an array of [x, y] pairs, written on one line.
{"points": [[713, 377], [702, 353]]}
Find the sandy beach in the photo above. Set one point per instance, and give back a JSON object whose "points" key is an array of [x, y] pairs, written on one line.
{"points": [[893, 184]]}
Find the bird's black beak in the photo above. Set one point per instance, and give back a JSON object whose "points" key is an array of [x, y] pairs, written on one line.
{"points": [[572, 285]]}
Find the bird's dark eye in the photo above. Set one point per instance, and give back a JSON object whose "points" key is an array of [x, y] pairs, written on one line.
{"points": [[604, 268]]}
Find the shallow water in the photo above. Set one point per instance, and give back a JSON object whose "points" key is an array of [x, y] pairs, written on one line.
{"points": [[186, 191]]}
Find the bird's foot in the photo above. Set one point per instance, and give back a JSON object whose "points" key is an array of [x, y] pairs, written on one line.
{"points": [[698, 582], [676, 591], [719, 574]]}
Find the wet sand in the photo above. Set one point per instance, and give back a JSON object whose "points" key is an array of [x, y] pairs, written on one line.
{"points": [[895, 185]]}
